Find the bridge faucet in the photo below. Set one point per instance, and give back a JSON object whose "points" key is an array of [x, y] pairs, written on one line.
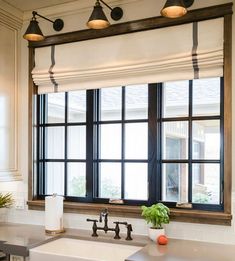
{"points": [[104, 215]]}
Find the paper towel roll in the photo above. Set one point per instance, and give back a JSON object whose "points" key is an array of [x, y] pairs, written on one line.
{"points": [[54, 214]]}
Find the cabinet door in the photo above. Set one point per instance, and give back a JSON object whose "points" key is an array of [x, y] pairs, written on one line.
{"points": [[8, 104]]}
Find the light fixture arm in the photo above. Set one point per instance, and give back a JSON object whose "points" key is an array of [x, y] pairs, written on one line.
{"points": [[36, 13], [106, 5], [58, 24]]}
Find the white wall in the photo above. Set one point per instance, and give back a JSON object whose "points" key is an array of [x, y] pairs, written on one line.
{"points": [[75, 16]]}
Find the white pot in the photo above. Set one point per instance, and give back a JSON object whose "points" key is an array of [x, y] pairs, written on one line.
{"points": [[155, 233], [3, 214]]}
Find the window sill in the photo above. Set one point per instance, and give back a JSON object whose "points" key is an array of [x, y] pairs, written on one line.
{"points": [[181, 215]]}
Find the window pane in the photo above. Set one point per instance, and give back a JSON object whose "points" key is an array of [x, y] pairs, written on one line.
{"points": [[77, 106], [55, 108], [55, 143], [111, 103], [206, 139], [175, 182], [206, 97], [54, 178], [176, 99], [110, 141], [136, 141], [110, 180], [175, 140], [206, 183], [76, 186], [77, 142], [136, 102], [136, 181]]}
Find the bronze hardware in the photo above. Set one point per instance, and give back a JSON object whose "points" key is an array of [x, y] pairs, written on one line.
{"points": [[104, 215]]}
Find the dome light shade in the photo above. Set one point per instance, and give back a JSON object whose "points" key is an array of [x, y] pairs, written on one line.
{"points": [[33, 32], [174, 9], [98, 19]]}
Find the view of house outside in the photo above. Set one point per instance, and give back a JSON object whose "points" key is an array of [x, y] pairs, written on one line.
{"points": [[175, 142]]}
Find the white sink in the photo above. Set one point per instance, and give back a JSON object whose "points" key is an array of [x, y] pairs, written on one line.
{"points": [[68, 249]]}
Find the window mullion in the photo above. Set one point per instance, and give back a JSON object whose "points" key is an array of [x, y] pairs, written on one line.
{"points": [[90, 145], [190, 143], [39, 146], [66, 145], [153, 148], [159, 139], [44, 142], [123, 143]]}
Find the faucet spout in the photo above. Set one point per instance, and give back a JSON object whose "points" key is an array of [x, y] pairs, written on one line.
{"points": [[104, 214]]}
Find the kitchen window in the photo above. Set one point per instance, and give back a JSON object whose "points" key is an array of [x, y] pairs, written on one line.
{"points": [[180, 173], [140, 144]]}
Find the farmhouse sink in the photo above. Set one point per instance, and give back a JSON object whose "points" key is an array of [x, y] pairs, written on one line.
{"points": [[69, 249]]}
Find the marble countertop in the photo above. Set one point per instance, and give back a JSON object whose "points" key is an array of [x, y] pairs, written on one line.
{"points": [[17, 239], [185, 250]]}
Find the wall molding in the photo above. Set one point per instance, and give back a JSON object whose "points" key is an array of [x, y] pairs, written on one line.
{"points": [[6, 176], [11, 19], [10, 16]]}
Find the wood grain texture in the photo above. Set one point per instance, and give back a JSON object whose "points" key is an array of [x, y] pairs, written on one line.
{"points": [[192, 216], [227, 112]]}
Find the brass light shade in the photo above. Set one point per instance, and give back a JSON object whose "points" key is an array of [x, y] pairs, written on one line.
{"points": [[33, 32], [174, 9], [98, 19]]}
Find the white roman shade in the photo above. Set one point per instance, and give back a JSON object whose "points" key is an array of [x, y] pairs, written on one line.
{"points": [[188, 51]]}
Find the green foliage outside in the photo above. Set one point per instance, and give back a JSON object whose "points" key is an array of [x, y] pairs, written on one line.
{"points": [[157, 215], [6, 200], [109, 190], [201, 198], [78, 186]]}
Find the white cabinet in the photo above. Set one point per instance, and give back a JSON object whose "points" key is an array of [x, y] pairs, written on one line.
{"points": [[9, 38]]}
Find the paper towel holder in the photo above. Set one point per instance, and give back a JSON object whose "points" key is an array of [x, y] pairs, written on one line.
{"points": [[59, 229]]}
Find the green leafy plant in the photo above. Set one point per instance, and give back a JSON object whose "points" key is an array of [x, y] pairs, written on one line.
{"points": [[6, 200], [157, 215]]}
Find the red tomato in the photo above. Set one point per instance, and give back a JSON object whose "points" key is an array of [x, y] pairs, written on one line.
{"points": [[162, 240]]}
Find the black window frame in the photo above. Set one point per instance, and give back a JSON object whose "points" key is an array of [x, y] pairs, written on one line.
{"points": [[190, 161], [97, 123], [155, 121]]}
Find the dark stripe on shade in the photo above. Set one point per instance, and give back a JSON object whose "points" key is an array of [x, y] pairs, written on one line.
{"points": [[53, 81], [194, 51]]}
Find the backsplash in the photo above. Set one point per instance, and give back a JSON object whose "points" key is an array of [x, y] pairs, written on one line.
{"points": [[179, 230]]}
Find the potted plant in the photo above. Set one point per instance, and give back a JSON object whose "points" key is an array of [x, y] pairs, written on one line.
{"points": [[157, 215], [6, 200]]}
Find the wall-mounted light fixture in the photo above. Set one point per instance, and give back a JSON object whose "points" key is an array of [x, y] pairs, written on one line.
{"points": [[176, 8], [34, 33], [98, 19]]}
